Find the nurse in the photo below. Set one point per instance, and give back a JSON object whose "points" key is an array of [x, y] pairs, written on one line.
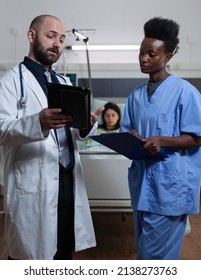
{"points": [[165, 113]]}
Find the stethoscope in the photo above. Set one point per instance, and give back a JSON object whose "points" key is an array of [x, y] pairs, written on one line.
{"points": [[22, 101]]}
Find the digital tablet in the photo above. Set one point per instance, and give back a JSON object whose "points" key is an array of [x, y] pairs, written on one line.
{"points": [[73, 100]]}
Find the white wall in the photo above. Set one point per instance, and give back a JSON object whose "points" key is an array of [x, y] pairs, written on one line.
{"points": [[114, 21]]}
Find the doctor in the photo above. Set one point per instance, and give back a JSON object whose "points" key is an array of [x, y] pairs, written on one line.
{"points": [[47, 215]]}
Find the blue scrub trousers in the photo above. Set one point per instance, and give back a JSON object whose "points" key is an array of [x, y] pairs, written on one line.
{"points": [[158, 237]]}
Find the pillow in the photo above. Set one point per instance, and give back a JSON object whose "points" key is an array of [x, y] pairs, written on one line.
{"points": [[99, 103]]}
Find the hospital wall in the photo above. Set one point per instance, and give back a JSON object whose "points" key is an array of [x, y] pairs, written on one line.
{"points": [[104, 22]]}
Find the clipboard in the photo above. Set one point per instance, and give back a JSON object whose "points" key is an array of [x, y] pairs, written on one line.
{"points": [[73, 100], [126, 144]]}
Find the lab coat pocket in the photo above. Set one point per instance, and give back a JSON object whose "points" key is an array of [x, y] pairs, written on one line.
{"points": [[30, 177]]}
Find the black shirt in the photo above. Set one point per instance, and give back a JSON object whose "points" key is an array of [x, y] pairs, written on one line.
{"points": [[37, 70]]}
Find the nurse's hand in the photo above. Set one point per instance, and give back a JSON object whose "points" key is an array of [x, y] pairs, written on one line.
{"points": [[53, 118], [136, 134], [152, 144]]}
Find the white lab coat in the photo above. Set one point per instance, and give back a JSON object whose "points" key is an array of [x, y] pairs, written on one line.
{"points": [[31, 174]]}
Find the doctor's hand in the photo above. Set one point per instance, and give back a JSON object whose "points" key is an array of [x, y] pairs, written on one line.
{"points": [[96, 115], [53, 118]]}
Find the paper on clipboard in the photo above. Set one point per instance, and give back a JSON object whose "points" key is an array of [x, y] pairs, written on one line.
{"points": [[125, 144]]}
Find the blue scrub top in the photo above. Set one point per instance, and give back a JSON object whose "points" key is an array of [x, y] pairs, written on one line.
{"points": [[170, 186]]}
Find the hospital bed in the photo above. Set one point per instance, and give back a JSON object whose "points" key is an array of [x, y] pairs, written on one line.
{"points": [[105, 175]]}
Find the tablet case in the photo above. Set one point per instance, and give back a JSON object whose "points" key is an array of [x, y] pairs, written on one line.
{"points": [[126, 144], [73, 100]]}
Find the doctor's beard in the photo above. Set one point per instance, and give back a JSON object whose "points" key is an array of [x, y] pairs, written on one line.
{"points": [[42, 56]]}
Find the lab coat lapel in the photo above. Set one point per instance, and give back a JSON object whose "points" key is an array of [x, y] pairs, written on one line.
{"points": [[30, 81]]}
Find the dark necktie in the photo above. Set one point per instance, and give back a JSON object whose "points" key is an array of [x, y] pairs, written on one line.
{"points": [[66, 153]]}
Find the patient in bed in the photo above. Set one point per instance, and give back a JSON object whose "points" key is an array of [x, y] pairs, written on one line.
{"points": [[109, 122]]}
